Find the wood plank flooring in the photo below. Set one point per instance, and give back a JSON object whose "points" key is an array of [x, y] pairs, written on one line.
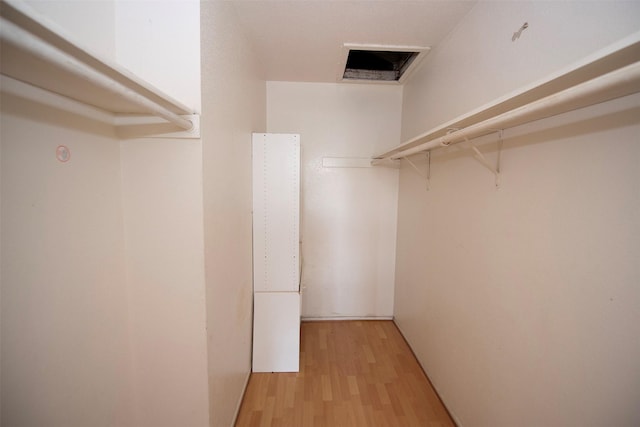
{"points": [[352, 373]]}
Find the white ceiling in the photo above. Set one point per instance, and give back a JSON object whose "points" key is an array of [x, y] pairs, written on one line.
{"points": [[303, 40]]}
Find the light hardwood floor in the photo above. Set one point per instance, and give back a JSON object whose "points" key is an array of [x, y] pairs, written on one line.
{"points": [[352, 373]]}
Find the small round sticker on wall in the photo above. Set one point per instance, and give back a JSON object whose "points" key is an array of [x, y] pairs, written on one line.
{"points": [[63, 154]]}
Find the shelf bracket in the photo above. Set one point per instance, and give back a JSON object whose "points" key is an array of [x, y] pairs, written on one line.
{"points": [[483, 160], [428, 154], [427, 176]]}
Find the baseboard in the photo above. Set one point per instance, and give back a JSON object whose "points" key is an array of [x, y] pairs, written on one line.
{"points": [[338, 318], [451, 415], [244, 390]]}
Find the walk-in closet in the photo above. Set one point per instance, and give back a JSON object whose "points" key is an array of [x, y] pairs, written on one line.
{"points": [[319, 213]]}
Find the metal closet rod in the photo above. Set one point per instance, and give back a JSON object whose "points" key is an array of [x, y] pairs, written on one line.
{"points": [[16, 36], [614, 84]]}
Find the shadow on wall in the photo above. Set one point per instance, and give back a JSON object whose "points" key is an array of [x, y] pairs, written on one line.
{"points": [[35, 104]]}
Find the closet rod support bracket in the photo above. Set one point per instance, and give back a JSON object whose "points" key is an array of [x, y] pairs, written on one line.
{"points": [[427, 176], [483, 160]]}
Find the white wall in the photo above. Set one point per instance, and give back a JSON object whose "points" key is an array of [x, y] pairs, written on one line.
{"points": [[65, 348], [159, 41], [163, 218], [113, 344], [91, 23], [233, 93], [162, 193], [65, 341], [348, 216], [162, 205], [521, 303]]}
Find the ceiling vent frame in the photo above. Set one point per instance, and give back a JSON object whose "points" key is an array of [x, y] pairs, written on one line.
{"points": [[421, 51]]}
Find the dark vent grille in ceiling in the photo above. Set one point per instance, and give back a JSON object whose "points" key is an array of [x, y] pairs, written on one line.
{"points": [[377, 64]]}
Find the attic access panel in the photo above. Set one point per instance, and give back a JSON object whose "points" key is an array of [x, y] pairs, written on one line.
{"points": [[383, 64], [377, 64]]}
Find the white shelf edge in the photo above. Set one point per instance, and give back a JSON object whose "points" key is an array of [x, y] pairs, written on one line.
{"points": [[136, 126], [615, 56], [355, 162], [143, 99]]}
